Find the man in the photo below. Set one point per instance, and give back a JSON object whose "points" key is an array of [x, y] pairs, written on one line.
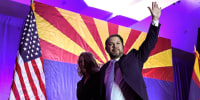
{"points": [[128, 82]]}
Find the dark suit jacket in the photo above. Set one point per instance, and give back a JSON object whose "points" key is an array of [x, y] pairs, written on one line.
{"points": [[131, 65]]}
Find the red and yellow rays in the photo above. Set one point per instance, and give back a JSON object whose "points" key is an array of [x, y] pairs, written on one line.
{"points": [[159, 64], [65, 34], [196, 70]]}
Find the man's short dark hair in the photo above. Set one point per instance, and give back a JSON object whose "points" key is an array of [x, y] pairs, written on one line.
{"points": [[114, 35]]}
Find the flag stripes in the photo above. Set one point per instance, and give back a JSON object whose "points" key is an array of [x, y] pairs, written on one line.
{"points": [[90, 23], [68, 30], [113, 28], [56, 53], [133, 36], [20, 80], [31, 81], [65, 34], [89, 34], [160, 73], [28, 79], [196, 70]]}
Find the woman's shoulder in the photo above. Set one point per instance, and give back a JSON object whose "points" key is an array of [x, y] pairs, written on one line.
{"points": [[95, 77], [80, 82], [96, 74]]}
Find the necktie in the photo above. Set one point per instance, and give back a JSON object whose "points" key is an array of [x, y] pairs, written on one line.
{"points": [[110, 80]]}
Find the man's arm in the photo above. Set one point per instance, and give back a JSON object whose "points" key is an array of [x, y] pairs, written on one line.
{"points": [[152, 36]]}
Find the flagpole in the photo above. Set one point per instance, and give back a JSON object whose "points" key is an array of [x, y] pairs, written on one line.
{"points": [[32, 1], [32, 5]]}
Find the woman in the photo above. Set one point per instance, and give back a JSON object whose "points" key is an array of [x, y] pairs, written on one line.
{"points": [[88, 86]]}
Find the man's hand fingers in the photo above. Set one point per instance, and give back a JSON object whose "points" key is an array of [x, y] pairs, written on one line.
{"points": [[150, 9]]}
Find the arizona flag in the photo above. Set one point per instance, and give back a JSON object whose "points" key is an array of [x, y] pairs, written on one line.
{"points": [[64, 35], [29, 80], [195, 82], [194, 93]]}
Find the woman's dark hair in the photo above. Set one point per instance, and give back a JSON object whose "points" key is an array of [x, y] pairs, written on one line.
{"points": [[90, 63]]}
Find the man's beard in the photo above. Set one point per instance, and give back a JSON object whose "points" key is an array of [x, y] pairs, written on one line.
{"points": [[115, 55]]}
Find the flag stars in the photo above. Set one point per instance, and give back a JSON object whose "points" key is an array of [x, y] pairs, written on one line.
{"points": [[30, 41], [27, 39], [35, 37], [37, 49], [26, 44], [27, 57], [31, 55]]}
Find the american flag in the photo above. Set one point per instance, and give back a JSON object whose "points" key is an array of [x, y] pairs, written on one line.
{"points": [[29, 80]]}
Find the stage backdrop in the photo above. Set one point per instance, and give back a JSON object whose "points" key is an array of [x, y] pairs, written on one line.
{"points": [[65, 34]]}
